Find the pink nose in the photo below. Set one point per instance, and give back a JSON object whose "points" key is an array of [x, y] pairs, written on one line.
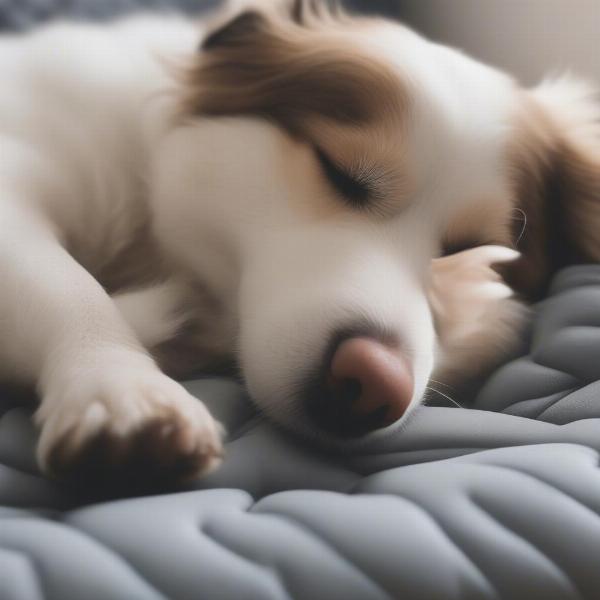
{"points": [[370, 387]]}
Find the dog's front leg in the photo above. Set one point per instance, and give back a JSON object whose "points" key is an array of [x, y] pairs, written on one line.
{"points": [[106, 409]]}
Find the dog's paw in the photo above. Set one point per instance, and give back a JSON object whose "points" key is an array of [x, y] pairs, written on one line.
{"points": [[465, 287], [478, 320], [138, 428]]}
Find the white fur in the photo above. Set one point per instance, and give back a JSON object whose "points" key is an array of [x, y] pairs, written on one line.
{"points": [[89, 151], [80, 114], [154, 312]]}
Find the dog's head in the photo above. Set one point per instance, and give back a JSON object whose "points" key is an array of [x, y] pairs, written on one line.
{"points": [[367, 202]]}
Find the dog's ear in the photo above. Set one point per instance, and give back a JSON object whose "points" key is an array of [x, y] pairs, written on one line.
{"points": [[555, 164], [281, 63]]}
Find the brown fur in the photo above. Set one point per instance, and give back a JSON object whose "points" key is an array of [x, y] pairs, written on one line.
{"points": [[557, 186], [531, 159], [261, 64]]}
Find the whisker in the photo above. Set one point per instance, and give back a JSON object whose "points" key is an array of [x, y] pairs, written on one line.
{"points": [[445, 396], [441, 383], [524, 228]]}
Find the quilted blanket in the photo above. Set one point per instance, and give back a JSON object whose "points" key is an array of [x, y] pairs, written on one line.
{"points": [[500, 500]]}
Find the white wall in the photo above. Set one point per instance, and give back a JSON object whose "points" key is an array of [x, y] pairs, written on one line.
{"points": [[526, 37]]}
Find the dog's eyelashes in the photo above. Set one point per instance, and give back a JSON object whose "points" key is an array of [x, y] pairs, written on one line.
{"points": [[355, 192]]}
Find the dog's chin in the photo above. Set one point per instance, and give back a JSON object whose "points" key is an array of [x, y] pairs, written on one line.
{"points": [[338, 441], [306, 432]]}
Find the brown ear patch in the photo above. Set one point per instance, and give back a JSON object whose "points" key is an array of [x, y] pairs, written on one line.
{"points": [[557, 187], [531, 166], [260, 64]]}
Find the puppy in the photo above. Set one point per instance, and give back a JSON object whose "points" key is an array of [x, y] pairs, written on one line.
{"points": [[341, 208]]}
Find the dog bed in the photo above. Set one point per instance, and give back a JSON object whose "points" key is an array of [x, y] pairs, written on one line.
{"points": [[497, 501]]}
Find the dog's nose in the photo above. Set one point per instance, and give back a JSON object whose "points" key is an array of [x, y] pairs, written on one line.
{"points": [[369, 386]]}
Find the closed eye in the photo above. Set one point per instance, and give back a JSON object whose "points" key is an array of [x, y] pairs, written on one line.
{"points": [[354, 192]]}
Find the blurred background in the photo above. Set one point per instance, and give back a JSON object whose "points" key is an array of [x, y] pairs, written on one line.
{"points": [[526, 37]]}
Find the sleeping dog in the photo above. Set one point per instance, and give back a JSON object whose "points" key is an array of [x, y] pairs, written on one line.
{"points": [[344, 210]]}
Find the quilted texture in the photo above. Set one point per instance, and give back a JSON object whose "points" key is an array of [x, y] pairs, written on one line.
{"points": [[498, 501]]}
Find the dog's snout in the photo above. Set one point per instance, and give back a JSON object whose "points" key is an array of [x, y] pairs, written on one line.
{"points": [[368, 386]]}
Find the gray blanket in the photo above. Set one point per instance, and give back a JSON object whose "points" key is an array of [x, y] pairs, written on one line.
{"points": [[501, 500]]}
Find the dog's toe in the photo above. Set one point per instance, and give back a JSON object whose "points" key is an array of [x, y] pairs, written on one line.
{"points": [[152, 437]]}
